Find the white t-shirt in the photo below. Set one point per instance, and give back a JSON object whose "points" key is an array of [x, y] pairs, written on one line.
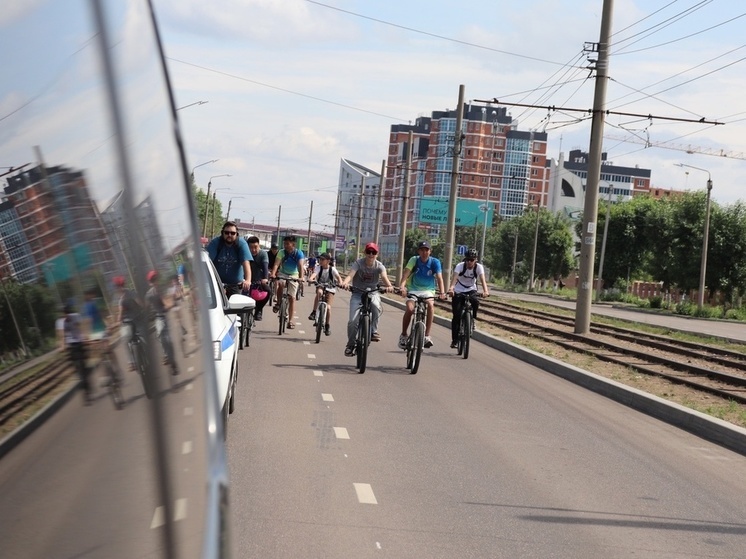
{"points": [[466, 279], [332, 277]]}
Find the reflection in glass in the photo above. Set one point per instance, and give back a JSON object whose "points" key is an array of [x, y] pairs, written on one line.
{"points": [[93, 201]]}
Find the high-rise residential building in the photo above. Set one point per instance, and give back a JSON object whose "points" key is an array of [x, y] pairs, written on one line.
{"points": [[356, 205], [50, 226], [502, 171]]}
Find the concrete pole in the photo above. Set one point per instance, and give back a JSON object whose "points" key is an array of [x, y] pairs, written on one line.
{"points": [[590, 212], [703, 267], [404, 205], [310, 217], [358, 250], [207, 208], [279, 215], [536, 246], [489, 186], [453, 198], [600, 283], [379, 203]]}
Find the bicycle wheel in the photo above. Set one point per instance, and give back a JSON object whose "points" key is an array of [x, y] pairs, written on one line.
{"points": [[320, 320], [465, 332], [363, 336], [418, 342], [248, 328], [283, 314], [142, 367]]}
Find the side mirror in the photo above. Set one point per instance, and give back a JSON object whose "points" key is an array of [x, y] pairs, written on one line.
{"points": [[238, 304]]}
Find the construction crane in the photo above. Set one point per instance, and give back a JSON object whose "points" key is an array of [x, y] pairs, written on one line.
{"points": [[688, 148]]}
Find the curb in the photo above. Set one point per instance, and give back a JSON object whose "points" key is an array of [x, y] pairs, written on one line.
{"points": [[704, 426]]}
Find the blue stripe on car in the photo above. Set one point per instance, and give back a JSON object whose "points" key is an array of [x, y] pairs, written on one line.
{"points": [[230, 338]]}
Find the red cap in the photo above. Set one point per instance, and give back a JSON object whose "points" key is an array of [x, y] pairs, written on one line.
{"points": [[118, 281], [372, 246], [152, 274]]}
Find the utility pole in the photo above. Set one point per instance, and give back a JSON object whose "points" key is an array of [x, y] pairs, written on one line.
{"points": [[536, 246], [489, 186], [600, 283], [588, 235], [279, 215], [379, 202], [336, 227], [359, 217], [404, 205], [453, 198], [310, 216]]}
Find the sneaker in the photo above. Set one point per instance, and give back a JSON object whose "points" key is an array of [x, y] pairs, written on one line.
{"points": [[375, 337], [428, 342], [454, 345], [258, 316], [276, 309], [312, 316], [402, 341], [349, 351], [328, 330]]}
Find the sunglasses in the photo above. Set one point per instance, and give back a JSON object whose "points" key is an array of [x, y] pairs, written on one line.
{"points": [[370, 252], [230, 232]]}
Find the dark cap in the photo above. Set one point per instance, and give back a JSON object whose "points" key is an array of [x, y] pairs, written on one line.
{"points": [[423, 244], [325, 256]]}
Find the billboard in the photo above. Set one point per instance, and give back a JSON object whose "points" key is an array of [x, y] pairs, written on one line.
{"points": [[468, 212]]}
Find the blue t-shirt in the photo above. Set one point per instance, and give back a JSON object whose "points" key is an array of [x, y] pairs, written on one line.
{"points": [[289, 263], [422, 274], [229, 259]]}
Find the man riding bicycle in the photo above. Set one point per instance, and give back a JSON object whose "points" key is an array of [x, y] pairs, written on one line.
{"points": [[259, 276], [422, 274], [232, 258], [289, 263], [367, 272], [464, 285], [326, 277]]}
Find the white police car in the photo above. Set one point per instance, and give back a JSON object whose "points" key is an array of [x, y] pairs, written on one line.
{"points": [[224, 329]]}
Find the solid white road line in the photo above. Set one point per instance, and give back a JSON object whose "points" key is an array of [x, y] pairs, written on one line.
{"points": [[327, 397], [365, 494]]}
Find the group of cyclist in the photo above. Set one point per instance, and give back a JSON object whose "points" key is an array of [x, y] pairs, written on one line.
{"points": [[244, 267]]}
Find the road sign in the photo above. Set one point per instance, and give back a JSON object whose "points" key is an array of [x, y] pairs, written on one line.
{"points": [[461, 250]]}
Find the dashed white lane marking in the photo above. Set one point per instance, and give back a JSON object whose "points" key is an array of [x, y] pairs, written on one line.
{"points": [[301, 331], [189, 386], [365, 494], [190, 369], [157, 518], [378, 545], [181, 510], [186, 447], [327, 397], [318, 374], [312, 356], [189, 411], [305, 342], [341, 433]]}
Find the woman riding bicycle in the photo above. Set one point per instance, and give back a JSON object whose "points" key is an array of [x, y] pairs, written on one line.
{"points": [[326, 277], [464, 285], [367, 272]]}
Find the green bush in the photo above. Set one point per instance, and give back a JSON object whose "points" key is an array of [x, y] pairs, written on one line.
{"points": [[656, 302]]}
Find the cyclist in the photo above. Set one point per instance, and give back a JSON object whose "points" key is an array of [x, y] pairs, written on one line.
{"points": [[232, 259], [464, 285], [364, 273], [289, 263], [259, 276], [310, 266], [129, 313], [422, 274], [327, 277], [76, 350], [157, 317]]}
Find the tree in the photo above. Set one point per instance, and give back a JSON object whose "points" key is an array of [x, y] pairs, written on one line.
{"points": [[216, 218]]}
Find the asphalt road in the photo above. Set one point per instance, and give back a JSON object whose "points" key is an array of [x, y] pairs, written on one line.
{"points": [[488, 457]]}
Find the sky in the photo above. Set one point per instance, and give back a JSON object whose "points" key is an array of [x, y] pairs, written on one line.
{"points": [[290, 87]]}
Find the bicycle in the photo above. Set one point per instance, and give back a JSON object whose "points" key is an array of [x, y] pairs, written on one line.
{"points": [[416, 338], [284, 305], [322, 309], [246, 320], [112, 378], [466, 325], [362, 340], [136, 347]]}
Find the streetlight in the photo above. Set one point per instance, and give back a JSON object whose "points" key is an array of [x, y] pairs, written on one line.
{"points": [[207, 201], [703, 267], [200, 165], [486, 206]]}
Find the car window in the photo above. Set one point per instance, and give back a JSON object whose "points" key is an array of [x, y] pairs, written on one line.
{"points": [[96, 224]]}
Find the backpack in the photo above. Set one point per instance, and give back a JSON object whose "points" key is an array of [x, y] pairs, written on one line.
{"points": [[463, 273]]}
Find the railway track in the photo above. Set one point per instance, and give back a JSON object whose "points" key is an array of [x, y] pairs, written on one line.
{"points": [[700, 366]]}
